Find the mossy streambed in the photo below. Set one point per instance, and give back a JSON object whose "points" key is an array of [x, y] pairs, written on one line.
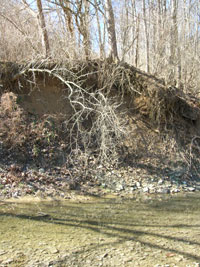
{"points": [[160, 231]]}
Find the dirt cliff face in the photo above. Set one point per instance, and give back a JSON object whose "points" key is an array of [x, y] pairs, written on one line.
{"points": [[46, 97], [113, 112]]}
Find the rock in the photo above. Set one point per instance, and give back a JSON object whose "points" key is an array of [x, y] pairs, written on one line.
{"points": [[132, 188], [53, 250], [146, 190], [41, 170], [104, 255], [151, 186], [160, 182], [153, 191], [99, 167], [191, 189], [179, 258], [2, 252], [175, 190], [163, 190], [62, 195], [138, 184], [119, 187], [15, 195], [8, 261]]}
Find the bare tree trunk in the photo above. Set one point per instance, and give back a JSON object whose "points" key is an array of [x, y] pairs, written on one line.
{"points": [[68, 16], [101, 44], [147, 35], [155, 43], [159, 39], [197, 37], [104, 33], [45, 39], [125, 31], [137, 43], [86, 30], [173, 43], [111, 30], [179, 67], [83, 25], [133, 30]]}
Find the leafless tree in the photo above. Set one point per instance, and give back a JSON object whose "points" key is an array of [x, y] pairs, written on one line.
{"points": [[111, 30], [146, 35], [100, 37], [159, 36], [45, 39]]}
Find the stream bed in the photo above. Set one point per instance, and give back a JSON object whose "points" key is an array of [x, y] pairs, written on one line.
{"points": [[110, 231]]}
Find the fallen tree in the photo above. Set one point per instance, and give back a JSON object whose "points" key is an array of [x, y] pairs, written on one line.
{"points": [[104, 112]]}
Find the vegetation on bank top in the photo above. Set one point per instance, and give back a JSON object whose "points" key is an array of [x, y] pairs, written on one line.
{"points": [[73, 86], [112, 113]]}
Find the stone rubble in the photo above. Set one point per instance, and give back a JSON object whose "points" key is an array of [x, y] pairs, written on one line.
{"points": [[16, 181]]}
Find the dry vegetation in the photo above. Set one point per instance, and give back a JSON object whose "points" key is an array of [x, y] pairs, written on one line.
{"points": [[58, 110], [111, 114]]}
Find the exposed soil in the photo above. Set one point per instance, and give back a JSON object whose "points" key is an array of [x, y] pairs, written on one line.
{"points": [[87, 122], [88, 129]]}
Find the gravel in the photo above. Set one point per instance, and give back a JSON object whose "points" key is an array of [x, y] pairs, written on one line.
{"points": [[17, 181]]}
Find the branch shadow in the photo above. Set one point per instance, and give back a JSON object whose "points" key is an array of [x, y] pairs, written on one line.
{"points": [[122, 234]]}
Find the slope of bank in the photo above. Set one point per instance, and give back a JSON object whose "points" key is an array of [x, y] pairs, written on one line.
{"points": [[95, 127]]}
